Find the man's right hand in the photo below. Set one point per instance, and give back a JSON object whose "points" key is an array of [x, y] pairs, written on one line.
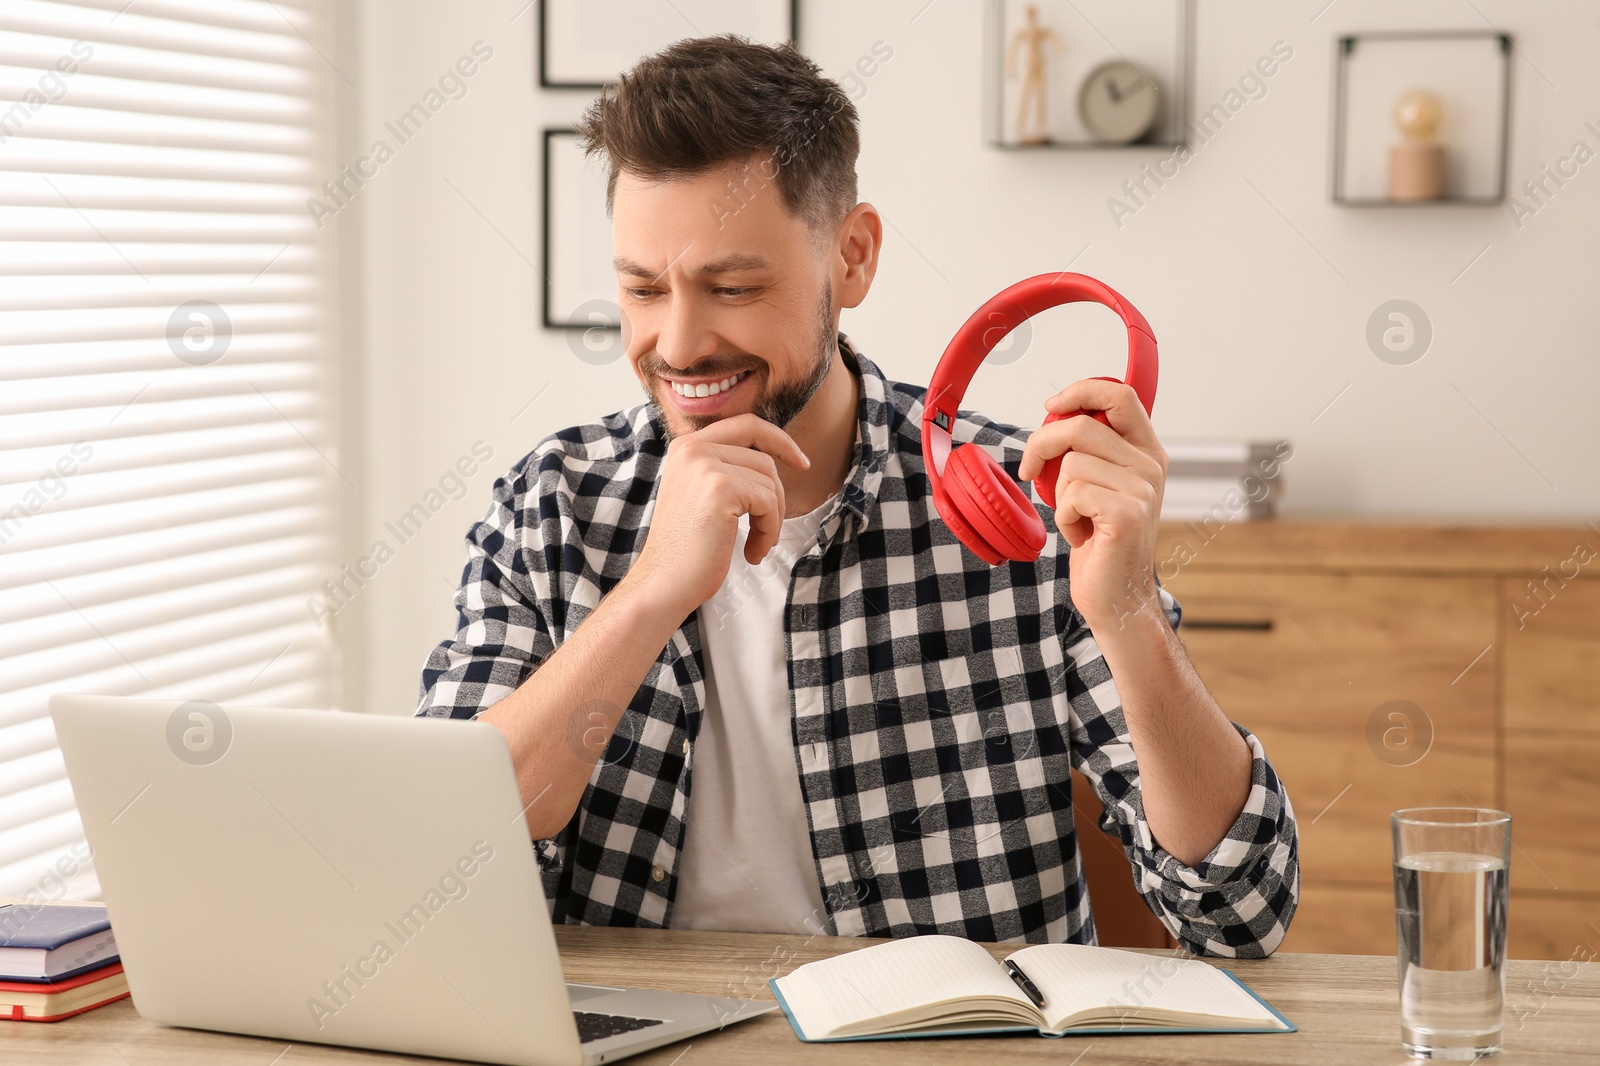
{"points": [[708, 479], [561, 717]]}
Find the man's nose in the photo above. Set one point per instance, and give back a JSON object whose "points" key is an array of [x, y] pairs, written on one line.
{"points": [[686, 336]]}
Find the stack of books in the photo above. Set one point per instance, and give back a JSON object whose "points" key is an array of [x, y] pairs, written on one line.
{"points": [[1223, 480], [56, 961]]}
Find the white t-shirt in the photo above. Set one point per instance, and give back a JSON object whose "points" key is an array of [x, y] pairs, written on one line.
{"points": [[747, 864]]}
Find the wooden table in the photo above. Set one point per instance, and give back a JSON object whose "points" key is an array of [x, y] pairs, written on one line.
{"points": [[1345, 1006]]}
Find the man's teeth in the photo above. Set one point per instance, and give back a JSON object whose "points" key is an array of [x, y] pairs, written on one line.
{"points": [[708, 390]]}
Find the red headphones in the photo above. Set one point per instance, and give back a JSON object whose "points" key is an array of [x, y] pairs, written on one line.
{"points": [[977, 499]]}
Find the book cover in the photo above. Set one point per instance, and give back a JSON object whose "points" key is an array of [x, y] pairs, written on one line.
{"points": [[49, 943], [48, 928]]}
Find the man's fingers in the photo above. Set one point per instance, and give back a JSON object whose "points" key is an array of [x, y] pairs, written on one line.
{"points": [[759, 468], [748, 448], [746, 457], [1120, 403], [1082, 506], [1085, 499], [1086, 435], [747, 485], [766, 522], [1081, 466], [751, 431]]}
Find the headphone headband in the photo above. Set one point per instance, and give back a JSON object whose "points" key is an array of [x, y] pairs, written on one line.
{"points": [[991, 323], [979, 335]]}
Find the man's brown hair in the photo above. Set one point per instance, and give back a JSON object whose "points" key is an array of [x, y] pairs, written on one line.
{"points": [[706, 102]]}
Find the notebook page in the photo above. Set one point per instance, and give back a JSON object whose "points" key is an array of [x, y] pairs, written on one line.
{"points": [[1075, 977], [885, 978]]}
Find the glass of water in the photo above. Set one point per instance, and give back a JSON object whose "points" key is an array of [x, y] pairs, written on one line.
{"points": [[1450, 872]]}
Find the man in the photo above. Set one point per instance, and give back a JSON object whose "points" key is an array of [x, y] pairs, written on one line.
{"points": [[748, 677]]}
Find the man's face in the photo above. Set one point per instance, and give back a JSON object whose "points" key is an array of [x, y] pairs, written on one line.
{"points": [[727, 307]]}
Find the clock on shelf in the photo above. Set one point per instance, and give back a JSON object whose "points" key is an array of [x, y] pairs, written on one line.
{"points": [[1118, 102]]}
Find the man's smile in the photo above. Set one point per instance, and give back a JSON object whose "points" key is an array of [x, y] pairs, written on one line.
{"points": [[703, 396], [704, 387]]}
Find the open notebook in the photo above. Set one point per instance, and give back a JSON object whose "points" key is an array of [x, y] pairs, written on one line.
{"points": [[944, 985]]}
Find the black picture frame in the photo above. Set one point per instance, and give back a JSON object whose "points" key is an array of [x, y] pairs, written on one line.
{"points": [[546, 260], [1344, 46], [542, 27]]}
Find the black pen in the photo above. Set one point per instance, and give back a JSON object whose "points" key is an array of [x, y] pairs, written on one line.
{"points": [[1024, 983]]}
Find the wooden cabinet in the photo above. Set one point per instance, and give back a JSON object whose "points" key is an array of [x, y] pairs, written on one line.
{"points": [[1342, 919], [1552, 634], [1552, 754], [1398, 666], [1553, 794], [1347, 681]]}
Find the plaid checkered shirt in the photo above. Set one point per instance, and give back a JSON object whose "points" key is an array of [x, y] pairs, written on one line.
{"points": [[937, 705]]}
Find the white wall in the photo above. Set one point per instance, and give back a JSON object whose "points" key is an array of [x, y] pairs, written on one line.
{"points": [[1257, 286]]}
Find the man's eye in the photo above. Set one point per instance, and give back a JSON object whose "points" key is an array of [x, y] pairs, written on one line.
{"points": [[639, 294], [726, 291]]}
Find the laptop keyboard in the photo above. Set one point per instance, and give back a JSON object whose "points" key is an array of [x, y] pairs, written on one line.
{"points": [[592, 1026]]}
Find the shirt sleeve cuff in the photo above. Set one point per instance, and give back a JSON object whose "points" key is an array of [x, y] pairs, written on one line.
{"points": [[1238, 900]]}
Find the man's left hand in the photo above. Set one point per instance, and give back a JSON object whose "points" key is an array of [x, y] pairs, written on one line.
{"points": [[1108, 495]]}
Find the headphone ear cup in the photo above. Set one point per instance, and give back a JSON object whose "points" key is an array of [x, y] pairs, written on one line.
{"points": [[993, 504], [950, 510]]}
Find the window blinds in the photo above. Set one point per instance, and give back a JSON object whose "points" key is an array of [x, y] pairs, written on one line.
{"points": [[165, 458]]}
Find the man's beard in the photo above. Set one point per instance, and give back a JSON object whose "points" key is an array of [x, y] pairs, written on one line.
{"points": [[784, 403]]}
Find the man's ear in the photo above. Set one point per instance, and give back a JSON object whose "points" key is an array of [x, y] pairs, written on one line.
{"points": [[860, 238]]}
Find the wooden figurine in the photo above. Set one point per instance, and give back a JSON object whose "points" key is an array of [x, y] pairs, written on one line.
{"points": [[1030, 40]]}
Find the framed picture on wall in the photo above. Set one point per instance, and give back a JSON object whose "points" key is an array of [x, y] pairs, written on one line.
{"points": [[1421, 117], [586, 44], [580, 286]]}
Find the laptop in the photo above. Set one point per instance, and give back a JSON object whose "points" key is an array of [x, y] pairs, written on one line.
{"points": [[351, 879]]}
